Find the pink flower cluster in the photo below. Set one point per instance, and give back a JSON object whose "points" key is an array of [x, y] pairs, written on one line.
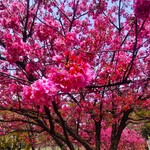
{"points": [[40, 92], [65, 77], [142, 8], [72, 76], [15, 48], [129, 139]]}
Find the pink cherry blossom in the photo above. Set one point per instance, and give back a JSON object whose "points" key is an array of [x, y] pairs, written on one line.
{"points": [[142, 8]]}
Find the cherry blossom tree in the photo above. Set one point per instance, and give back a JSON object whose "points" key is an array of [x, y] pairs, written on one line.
{"points": [[75, 70]]}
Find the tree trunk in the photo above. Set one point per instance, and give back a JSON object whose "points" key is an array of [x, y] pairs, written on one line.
{"points": [[33, 148], [114, 143], [117, 131], [98, 128]]}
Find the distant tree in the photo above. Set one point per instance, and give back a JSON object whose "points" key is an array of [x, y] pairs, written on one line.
{"points": [[145, 115], [12, 142]]}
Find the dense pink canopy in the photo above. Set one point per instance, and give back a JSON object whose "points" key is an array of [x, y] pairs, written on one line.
{"points": [[75, 70]]}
